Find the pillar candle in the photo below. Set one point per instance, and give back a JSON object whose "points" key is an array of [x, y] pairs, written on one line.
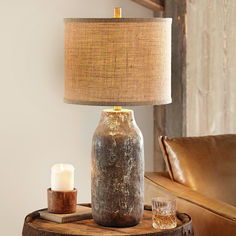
{"points": [[62, 177]]}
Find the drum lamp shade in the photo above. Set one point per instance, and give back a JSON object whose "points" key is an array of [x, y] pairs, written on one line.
{"points": [[117, 61]]}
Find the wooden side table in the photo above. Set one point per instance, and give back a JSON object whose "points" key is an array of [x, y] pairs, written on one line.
{"points": [[34, 226]]}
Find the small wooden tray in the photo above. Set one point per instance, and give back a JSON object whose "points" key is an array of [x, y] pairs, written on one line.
{"points": [[35, 226], [82, 213]]}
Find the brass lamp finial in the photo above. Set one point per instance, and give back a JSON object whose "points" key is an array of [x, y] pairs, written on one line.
{"points": [[117, 12], [117, 108]]}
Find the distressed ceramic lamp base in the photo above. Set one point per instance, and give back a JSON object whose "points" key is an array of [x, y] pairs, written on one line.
{"points": [[62, 201], [117, 170], [117, 61]]}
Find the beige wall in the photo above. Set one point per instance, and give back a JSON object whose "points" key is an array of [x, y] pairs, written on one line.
{"points": [[36, 128], [211, 67]]}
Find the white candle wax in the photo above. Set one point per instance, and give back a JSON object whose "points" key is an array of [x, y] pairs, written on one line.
{"points": [[62, 177]]}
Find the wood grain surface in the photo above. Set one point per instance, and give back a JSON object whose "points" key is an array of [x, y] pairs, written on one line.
{"points": [[170, 119], [152, 5], [62, 201], [34, 226], [211, 70], [81, 213]]}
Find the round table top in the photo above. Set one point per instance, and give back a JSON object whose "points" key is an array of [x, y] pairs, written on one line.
{"points": [[35, 226]]}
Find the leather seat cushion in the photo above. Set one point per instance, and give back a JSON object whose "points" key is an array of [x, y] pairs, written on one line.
{"points": [[206, 164]]}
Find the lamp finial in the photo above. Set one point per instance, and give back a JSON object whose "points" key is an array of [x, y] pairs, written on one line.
{"points": [[117, 12]]}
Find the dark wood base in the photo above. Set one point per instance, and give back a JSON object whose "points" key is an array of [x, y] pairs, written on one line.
{"points": [[62, 201], [34, 226]]}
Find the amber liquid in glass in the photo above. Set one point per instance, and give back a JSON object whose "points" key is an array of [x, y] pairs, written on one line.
{"points": [[164, 221]]}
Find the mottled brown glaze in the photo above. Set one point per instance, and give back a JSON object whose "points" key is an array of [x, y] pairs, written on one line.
{"points": [[62, 201], [117, 170]]}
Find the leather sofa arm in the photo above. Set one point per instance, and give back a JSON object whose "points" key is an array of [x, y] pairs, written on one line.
{"points": [[182, 192]]}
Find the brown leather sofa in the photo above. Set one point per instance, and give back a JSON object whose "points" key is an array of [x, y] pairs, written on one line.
{"points": [[202, 176]]}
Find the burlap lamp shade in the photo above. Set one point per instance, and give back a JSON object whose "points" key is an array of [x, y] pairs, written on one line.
{"points": [[118, 61]]}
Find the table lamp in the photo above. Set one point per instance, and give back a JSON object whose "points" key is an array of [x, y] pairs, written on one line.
{"points": [[117, 62]]}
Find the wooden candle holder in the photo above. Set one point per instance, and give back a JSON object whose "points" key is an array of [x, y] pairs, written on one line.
{"points": [[62, 201]]}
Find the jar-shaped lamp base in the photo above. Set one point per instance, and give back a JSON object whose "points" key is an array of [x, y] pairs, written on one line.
{"points": [[117, 170]]}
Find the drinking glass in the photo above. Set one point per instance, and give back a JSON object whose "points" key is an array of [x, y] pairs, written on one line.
{"points": [[164, 213]]}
